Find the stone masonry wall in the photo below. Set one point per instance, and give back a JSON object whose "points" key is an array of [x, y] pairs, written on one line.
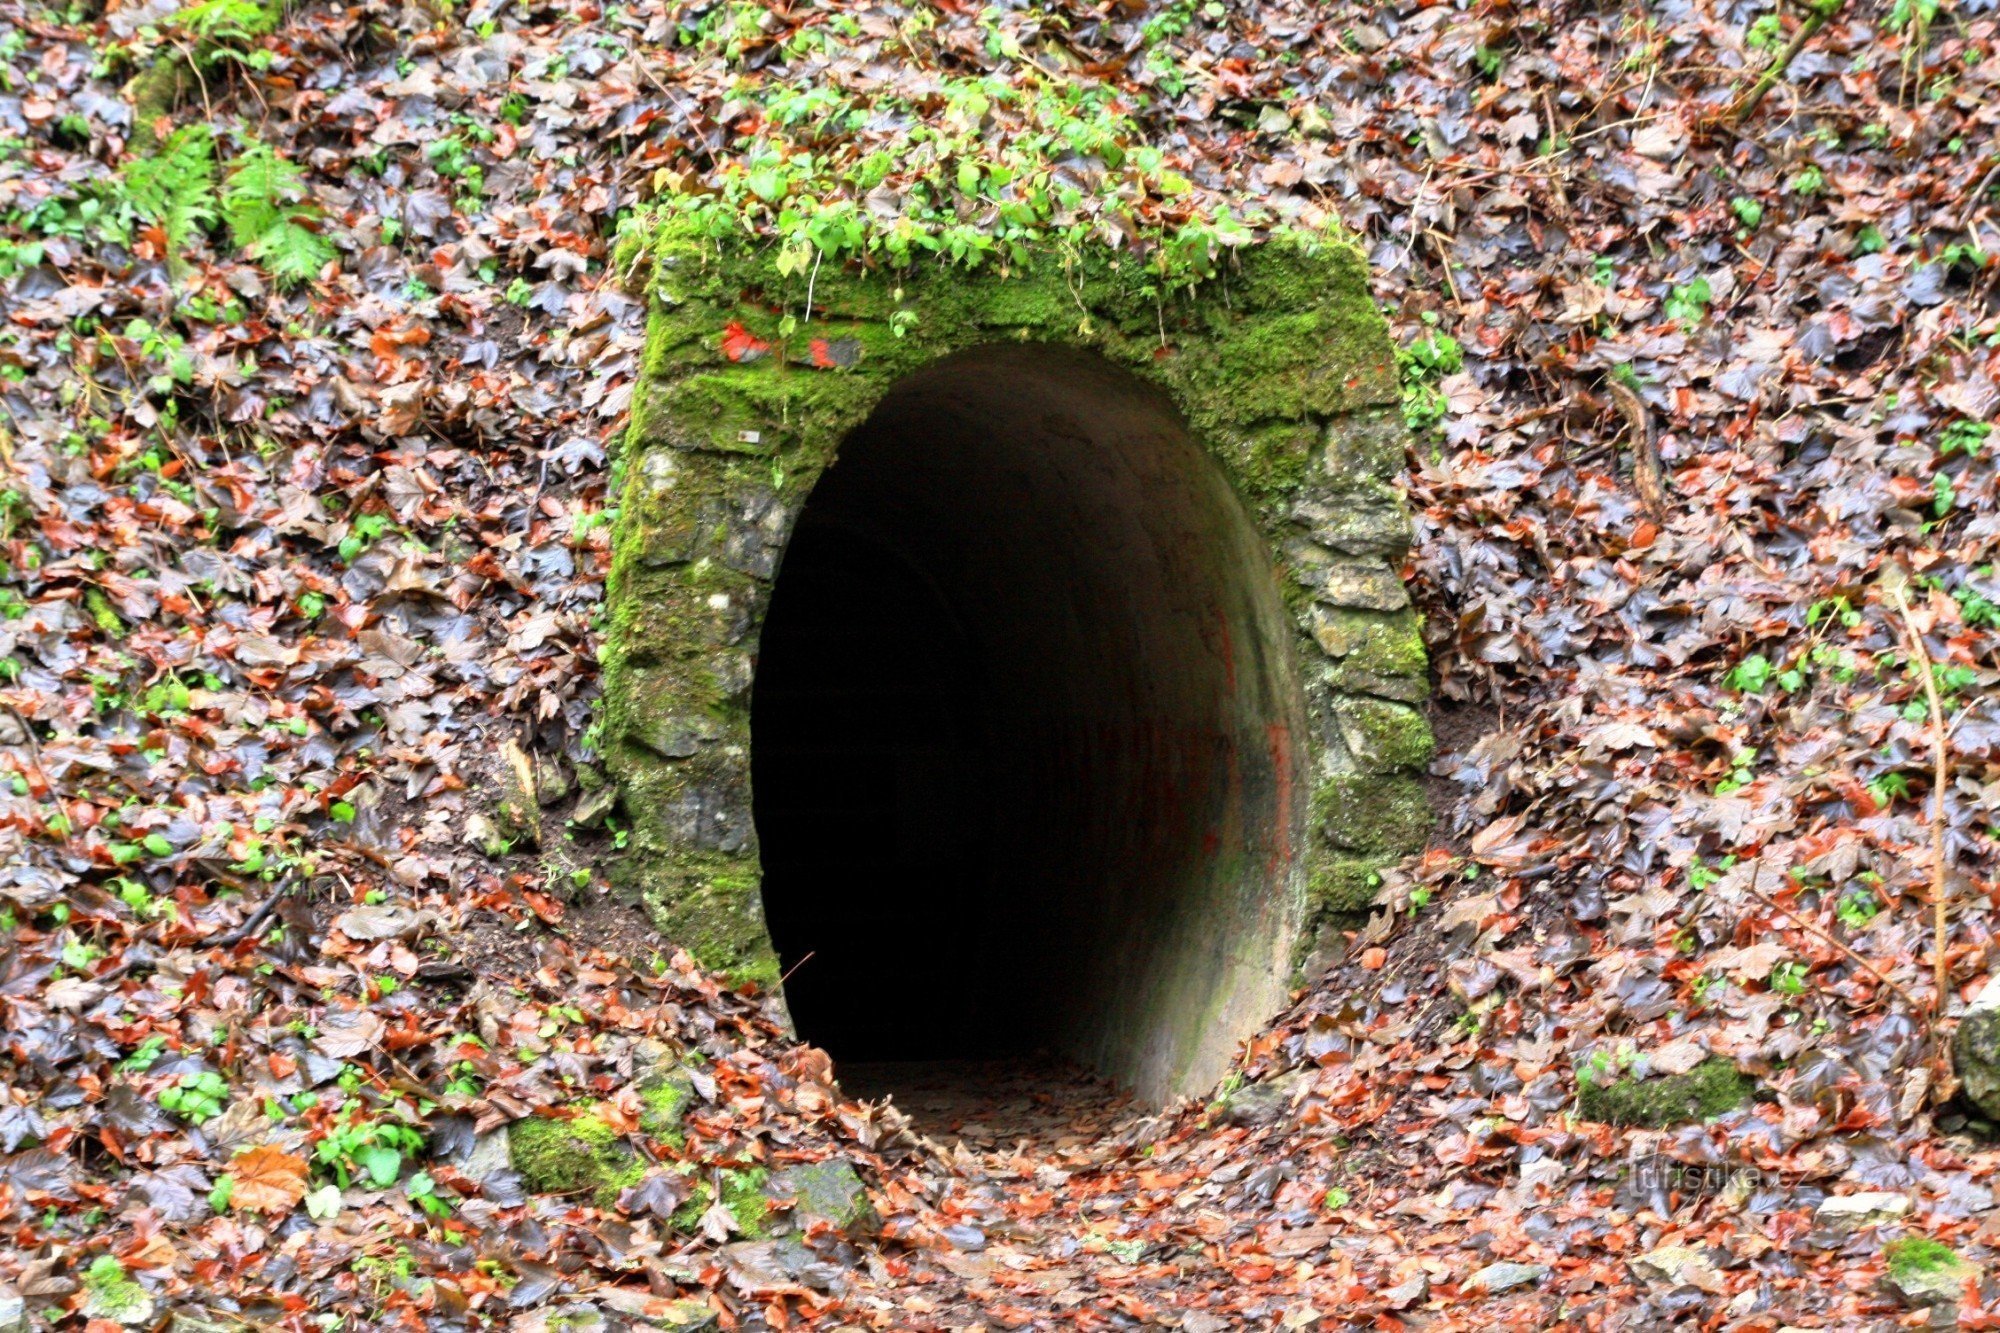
{"points": [[1282, 368]]}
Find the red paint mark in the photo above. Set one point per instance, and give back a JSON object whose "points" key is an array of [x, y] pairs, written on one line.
{"points": [[739, 344]]}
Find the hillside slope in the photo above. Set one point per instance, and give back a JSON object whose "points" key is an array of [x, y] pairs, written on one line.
{"points": [[312, 373]]}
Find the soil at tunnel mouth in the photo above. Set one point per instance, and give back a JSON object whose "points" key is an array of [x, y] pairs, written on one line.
{"points": [[1021, 735]]}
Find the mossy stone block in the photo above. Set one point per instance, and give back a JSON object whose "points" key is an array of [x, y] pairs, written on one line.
{"points": [[1382, 735], [574, 1155], [1342, 884], [1384, 815], [1704, 1092], [1975, 1050], [832, 1192], [1927, 1272]]}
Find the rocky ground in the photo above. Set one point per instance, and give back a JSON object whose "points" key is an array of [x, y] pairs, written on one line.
{"points": [[312, 369]]}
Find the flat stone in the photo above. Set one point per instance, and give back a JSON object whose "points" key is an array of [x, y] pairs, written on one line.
{"points": [[1364, 525], [128, 1303], [1383, 736], [764, 1267], [1407, 1292], [831, 1191], [1852, 1212], [681, 1316], [1975, 1050], [1679, 1266], [1923, 1272], [1496, 1278], [489, 1156], [591, 810], [379, 921], [208, 1321], [1264, 1102], [1369, 587]]}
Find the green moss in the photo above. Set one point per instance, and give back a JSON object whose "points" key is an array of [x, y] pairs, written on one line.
{"points": [[1385, 644], [1384, 736], [664, 1096], [1920, 1256], [742, 1195], [1384, 815], [102, 612], [1704, 1092], [570, 1156], [1341, 884], [1257, 361], [111, 1293]]}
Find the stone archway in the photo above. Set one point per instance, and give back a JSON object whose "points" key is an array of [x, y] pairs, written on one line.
{"points": [[1092, 685]]}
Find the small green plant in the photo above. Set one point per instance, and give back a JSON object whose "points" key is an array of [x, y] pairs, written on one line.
{"points": [[1752, 675], [1856, 908], [1423, 363], [1809, 181], [1963, 437], [1789, 978], [361, 534], [1748, 211], [264, 205], [174, 188], [367, 1150], [1837, 607], [1887, 787], [1688, 302], [226, 20], [1701, 875], [195, 1098], [1974, 608], [1766, 33]]}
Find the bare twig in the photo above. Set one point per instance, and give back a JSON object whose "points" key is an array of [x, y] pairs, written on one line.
{"points": [[1757, 872], [1818, 17]]}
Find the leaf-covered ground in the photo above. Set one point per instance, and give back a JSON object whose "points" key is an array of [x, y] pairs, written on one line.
{"points": [[310, 382]]}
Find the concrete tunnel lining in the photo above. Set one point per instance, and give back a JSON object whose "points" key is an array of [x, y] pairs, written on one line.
{"points": [[1023, 729]]}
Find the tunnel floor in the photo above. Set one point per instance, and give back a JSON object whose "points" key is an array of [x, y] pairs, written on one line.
{"points": [[1020, 740], [1037, 1103]]}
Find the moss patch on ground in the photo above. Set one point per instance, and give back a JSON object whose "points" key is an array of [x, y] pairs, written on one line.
{"points": [[572, 1156], [111, 1293], [1919, 1256], [664, 1098], [742, 1194], [1708, 1090]]}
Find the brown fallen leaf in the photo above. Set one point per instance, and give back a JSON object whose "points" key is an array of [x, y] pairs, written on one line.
{"points": [[267, 1180]]}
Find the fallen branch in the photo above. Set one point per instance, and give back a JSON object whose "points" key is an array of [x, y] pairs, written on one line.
{"points": [[1818, 17], [1648, 472]]}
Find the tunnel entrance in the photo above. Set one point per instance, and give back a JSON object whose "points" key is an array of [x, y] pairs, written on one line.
{"points": [[1012, 663], [1022, 728]]}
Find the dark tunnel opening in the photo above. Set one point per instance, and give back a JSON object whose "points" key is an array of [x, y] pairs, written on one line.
{"points": [[1027, 734]]}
